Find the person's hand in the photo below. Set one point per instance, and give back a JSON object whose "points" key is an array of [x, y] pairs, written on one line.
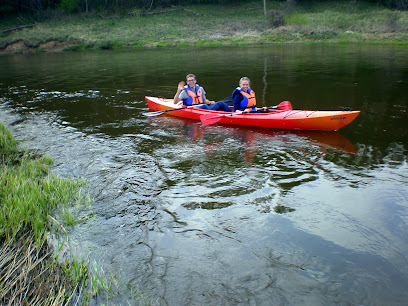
{"points": [[210, 102], [181, 85], [180, 88]]}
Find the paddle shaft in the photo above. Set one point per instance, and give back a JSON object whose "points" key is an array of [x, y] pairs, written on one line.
{"points": [[152, 114], [210, 119]]}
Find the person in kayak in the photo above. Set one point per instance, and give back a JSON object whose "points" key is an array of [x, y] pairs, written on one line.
{"points": [[192, 93], [244, 97]]}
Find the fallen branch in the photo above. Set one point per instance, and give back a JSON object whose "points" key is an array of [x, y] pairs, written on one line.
{"points": [[18, 28]]}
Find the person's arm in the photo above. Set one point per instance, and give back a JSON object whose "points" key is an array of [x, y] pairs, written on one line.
{"points": [[237, 101], [259, 109], [180, 88], [205, 100]]}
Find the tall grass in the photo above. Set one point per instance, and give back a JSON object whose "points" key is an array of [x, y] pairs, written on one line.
{"points": [[28, 276], [30, 195], [350, 16], [8, 145]]}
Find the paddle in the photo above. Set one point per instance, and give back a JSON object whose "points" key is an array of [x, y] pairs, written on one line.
{"points": [[211, 118], [152, 114]]}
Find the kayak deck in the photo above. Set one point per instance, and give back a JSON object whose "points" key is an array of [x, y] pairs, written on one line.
{"points": [[274, 118]]}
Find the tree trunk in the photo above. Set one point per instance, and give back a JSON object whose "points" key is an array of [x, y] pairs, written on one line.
{"points": [[264, 5]]}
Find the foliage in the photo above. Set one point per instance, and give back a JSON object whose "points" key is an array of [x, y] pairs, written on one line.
{"points": [[37, 6], [70, 5]]}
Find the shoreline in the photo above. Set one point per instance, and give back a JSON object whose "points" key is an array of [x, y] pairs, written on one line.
{"points": [[210, 26], [19, 47], [54, 46]]}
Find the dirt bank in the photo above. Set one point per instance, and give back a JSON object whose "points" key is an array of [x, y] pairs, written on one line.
{"points": [[20, 47]]}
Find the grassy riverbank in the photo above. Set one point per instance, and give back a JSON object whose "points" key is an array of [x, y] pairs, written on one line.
{"points": [[30, 197], [210, 25]]}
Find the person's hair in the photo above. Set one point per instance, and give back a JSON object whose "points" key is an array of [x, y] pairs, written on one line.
{"points": [[244, 79], [190, 75]]}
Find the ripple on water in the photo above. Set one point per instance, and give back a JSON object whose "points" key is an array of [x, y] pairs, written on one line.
{"points": [[197, 177], [186, 218]]}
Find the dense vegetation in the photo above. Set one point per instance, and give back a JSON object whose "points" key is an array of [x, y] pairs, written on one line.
{"points": [[19, 7]]}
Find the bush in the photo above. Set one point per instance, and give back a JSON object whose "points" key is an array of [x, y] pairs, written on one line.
{"points": [[70, 6], [392, 24], [106, 45], [276, 18]]}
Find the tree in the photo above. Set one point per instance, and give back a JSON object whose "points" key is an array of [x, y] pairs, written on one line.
{"points": [[264, 6]]}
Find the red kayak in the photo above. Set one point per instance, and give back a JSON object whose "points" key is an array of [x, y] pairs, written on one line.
{"points": [[281, 116]]}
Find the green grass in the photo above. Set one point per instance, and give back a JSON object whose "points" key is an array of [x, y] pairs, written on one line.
{"points": [[8, 146], [372, 20], [30, 196], [241, 24], [29, 192]]}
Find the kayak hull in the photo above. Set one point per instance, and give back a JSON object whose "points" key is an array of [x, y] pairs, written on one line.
{"points": [[275, 119]]}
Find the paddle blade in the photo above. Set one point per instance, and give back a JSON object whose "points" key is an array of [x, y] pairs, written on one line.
{"points": [[284, 105], [210, 118], [152, 114]]}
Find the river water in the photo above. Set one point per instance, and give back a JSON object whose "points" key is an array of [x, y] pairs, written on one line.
{"points": [[186, 214]]}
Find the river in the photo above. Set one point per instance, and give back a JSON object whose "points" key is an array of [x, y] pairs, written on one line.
{"points": [[187, 214]]}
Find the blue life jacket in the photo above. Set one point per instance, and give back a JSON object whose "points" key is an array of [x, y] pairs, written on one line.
{"points": [[249, 99]]}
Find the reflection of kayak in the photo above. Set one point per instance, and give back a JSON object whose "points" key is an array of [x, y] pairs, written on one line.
{"points": [[323, 139], [326, 140], [332, 140], [278, 119]]}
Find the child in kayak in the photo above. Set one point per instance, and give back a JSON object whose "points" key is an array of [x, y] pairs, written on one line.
{"points": [[244, 97]]}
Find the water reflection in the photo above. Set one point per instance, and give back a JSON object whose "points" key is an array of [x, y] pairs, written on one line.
{"points": [[189, 214], [251, 137]]}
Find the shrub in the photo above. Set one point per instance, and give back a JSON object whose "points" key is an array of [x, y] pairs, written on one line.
{"points": [[276, 18], [70, 6]]}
